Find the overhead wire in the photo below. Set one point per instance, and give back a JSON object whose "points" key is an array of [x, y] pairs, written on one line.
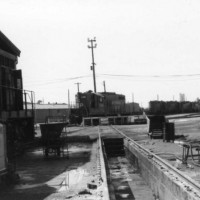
{"points": [[147, 78], [190, 77], [57, 80], [152, 76]]}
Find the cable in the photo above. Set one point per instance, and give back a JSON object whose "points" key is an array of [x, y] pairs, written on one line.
{"points": [[152, 76], [147, 78], [58, 80]]}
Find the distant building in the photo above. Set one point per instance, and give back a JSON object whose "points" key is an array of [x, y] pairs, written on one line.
{"points": [[54, 112], [182, 97]]}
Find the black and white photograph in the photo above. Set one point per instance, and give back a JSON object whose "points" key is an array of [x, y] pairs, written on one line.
{"points": [[99, 100]]}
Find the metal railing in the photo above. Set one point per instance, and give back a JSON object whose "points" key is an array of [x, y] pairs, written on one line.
{"points": [[15, 99]]}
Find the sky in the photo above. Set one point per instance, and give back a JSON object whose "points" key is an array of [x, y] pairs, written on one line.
{"points": [[146, 50]]}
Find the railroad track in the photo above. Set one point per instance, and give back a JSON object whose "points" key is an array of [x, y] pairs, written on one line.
{"points": [[188, 182], [124, 179]]}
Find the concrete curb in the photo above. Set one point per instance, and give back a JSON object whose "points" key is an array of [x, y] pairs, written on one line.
{"points": [[103, 185]]}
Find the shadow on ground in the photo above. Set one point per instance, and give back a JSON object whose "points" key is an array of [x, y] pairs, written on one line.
{"points": [[40, 177]]}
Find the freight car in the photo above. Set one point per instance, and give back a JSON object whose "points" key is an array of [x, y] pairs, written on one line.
{"points": [[173, 107]]}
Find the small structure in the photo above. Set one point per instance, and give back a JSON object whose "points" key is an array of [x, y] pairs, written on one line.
{"points": [[156, 126]]}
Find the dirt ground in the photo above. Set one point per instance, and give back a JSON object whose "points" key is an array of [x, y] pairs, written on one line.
{"points": [[77, 177]]}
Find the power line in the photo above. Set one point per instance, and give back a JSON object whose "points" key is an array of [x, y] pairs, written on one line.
{"points": [[176, 77], [152, 76], [149, 80], [53, 81], [187, 77]]}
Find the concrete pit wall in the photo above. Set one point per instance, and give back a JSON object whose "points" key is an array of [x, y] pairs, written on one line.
{"points": [[103, 189], [165, 184]]}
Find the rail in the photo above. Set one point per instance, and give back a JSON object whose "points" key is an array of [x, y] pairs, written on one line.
{"points": [[163, 162]]}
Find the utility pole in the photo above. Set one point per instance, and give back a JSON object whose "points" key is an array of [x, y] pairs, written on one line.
{"points": [[68, 99], [77, 86], [93, 63], [104, 85], [132, 97], [78, 94]]}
